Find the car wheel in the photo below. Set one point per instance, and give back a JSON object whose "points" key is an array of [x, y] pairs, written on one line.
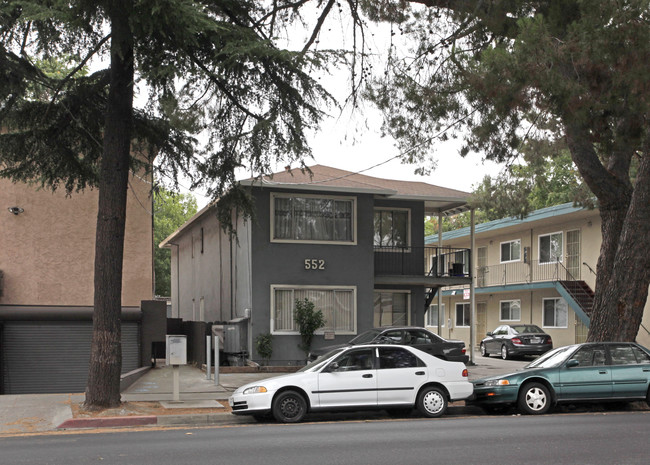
{"points": [[432, 402], [504, 352], [484, 351], [534, 399], [289, 407]]}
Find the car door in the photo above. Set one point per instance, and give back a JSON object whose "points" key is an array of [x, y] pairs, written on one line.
{"points": [[630, 371], [590, 379], [399, 375], [349, 380]]}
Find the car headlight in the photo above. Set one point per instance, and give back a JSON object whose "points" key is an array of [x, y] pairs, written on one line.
{"points": [[496, 382], [255, 390]]}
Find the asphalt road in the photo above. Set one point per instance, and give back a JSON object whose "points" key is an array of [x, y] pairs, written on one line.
{"points": [[592, 438]]}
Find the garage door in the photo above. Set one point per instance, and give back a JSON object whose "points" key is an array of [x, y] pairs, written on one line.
{"points": [[52, 356]]}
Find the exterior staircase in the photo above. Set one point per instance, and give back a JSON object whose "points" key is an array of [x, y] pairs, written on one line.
{"points": [[579, 294]]}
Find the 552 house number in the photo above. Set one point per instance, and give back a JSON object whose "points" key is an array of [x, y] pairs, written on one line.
{"points": [[314, 264]]}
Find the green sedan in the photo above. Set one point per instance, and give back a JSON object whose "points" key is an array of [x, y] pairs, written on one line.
{"points": [[590, 372]]}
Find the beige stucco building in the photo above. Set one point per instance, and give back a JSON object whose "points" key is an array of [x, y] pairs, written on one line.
{"points": [[47, 250], [523, 273]]}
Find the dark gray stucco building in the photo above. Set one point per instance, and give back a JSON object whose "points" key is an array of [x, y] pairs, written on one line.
{"points": [[352, 244]]}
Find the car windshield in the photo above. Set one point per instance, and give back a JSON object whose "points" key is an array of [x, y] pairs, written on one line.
{"points": [[368, 336], [553, 358], [320, 360], [527, 329]]}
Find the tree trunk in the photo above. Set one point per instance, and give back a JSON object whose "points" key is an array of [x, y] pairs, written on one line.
{"points": [[623, 273], [103, 388]]}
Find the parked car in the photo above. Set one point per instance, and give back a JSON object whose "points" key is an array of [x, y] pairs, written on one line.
{"points": [[612, 371], [511, 340], [374, 376], [420, 338]]}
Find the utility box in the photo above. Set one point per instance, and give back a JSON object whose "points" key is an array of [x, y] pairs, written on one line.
{"points": [[235, 336], [176, 349]]}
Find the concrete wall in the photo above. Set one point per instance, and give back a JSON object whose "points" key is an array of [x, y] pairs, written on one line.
{"points": [[47, 252]]}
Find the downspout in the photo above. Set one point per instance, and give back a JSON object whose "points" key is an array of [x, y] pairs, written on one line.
{"points": [[178, 281], [438, 271]]}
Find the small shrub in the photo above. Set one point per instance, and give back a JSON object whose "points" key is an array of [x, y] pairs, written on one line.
{"points": [[308, 321]]}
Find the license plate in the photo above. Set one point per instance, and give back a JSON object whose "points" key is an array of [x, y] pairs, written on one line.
{"points": [[535, 340]]}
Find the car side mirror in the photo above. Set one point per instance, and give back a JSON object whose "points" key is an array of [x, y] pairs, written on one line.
{"points": [[572, 363], [489, 333]]}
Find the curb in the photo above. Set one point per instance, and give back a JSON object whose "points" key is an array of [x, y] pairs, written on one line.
{"points": [[149, 420]]}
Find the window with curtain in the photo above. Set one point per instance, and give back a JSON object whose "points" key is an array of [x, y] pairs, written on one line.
{"points": [[391, 308], [511, 251], [462, 314], [550, 248], [432, 316], [337, 304], [391, 228], [510, 310], [556, 313], [313, 219]]}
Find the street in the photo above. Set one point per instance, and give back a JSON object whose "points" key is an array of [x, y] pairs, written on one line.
{"points": [[591, 438]]}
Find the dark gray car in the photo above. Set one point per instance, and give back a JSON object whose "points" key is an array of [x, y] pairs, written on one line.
{"points": [[420, 338], [520, 339]]}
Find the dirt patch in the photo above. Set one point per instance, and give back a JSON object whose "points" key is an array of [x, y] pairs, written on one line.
{"points": [[144, 409]]}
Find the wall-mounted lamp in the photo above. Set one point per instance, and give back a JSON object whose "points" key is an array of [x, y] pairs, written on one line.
{"points": [[15, 210]]}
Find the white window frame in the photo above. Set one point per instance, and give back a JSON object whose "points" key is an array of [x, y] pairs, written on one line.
{"points": [[435, 324], [539, 248], [292, 287], [510, 301], [275, 195], [501, 251], [462, 304], [566, 306], [394, 291], [408, 225]]}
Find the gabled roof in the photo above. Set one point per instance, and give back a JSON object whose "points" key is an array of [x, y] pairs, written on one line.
{"points": [[537, 215], [328, 179]]}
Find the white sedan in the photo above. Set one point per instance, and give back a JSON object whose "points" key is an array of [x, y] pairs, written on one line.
{"points": [[378, 376]]}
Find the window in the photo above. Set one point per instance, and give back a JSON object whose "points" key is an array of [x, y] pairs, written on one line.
{"points": [[432, 316], [556, 313], [462, 314], [355, 360], [396, 357], [391, 308], [391, 227], [337, 304], [622, 355], [510, 310], [313, 219], [589, 356], [511, 251], [550, 248]]}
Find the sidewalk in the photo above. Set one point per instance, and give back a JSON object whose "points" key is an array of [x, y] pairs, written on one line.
{"points": [[202, 402]]}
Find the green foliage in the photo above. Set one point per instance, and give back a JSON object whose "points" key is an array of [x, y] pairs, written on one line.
{"points": [[264, 346], [308, 321], [170, 212]]}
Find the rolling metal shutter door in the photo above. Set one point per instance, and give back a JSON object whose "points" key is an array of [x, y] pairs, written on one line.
{"points": [[52, 356]]}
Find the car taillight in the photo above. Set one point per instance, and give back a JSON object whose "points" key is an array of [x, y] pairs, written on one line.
{"points": [[465, 374], [549, 340], [463, 350], [516, 340]]}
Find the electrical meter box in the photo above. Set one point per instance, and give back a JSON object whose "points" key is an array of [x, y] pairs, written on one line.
{"points": [[176, 349]]}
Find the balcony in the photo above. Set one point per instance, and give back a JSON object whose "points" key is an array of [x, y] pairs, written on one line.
{"points": [[428, 266], [521, 273]]}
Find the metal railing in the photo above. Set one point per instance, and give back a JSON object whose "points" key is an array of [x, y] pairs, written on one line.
{"points": [[422, 261], [520, 273]]}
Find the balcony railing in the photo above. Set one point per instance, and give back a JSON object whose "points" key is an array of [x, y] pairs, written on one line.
{"points": [[521, 273], [422, 261]]}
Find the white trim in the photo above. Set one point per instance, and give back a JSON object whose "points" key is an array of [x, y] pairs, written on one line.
{"points": [[510, 300], [444, 316], [272, 198], [293, 287], [501, 260], [394, 291], [539, 248], [408, 224]]}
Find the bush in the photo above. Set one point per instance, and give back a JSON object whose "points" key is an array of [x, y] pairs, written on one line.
{"points": [[264, 346]]}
